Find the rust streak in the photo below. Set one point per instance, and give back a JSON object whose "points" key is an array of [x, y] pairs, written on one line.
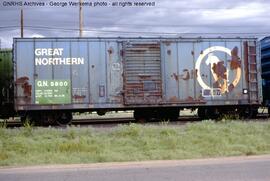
{"points": [[79, 96], [231, 87], [173, 99], [235, 62], [246, 61], [175, 76], [121, 53], [110, 51], [196, 73], [190, 99]]}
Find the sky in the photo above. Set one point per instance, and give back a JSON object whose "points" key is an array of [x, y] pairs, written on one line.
{"points": [[166, 18]]}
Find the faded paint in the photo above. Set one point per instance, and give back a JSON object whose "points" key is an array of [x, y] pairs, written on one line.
{"points": [[123, 72]]}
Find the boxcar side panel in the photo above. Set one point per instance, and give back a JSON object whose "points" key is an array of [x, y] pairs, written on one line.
{"points": [[214, 72], [97, 72], [114, 72], [186, 72], [70, 73], [80, 74], [170, 72]]}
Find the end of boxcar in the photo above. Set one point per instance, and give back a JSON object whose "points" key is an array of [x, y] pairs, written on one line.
{"points": [[265, 61], [6, 84]]}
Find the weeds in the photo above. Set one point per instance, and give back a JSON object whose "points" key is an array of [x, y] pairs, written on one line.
{"points": [[27, 128], [3, 127], [3, 124], [164, 122], [131, 130], [225, 118], [29, 146]]}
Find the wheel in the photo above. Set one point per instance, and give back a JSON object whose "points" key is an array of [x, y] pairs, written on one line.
{"points": [[170, 114], [101, 112], [201, 113], [254, 112], [208, 113], [248, 113], [49, 118], [141, 116], [64, 119], [213, 113], [165, 114]]}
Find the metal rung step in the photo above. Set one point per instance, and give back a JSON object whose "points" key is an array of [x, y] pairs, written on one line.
{"points": [[251, 72], [252, 54], [252, 63]]}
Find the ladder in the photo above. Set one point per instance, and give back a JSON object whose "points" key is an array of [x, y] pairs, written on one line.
{"points": [[252, 73]]}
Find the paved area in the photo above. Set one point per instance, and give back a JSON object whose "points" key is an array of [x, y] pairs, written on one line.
{"points": [[253, 168]]}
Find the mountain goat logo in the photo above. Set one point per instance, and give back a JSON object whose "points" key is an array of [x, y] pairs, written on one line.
{"points": [[220, 69]]}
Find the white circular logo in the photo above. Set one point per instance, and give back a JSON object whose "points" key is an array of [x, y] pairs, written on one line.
{"points": [[220, 72]]}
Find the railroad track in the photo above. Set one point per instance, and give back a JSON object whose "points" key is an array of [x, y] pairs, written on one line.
{"points": [[83, 121], [110, 122]]}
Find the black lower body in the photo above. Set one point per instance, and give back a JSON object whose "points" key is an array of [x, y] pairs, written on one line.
{"points": [[46, 117], [217, 112], [141, 114]]}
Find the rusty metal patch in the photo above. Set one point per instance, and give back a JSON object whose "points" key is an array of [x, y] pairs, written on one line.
{"points": [[220, 70], [235, 62], [24, 90]]}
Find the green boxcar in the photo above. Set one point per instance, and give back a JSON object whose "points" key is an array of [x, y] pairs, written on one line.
{"points": [[6, 83]]}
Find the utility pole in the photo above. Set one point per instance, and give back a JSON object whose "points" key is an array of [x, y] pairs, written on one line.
{"points": [[21, 23], [81, 19]]}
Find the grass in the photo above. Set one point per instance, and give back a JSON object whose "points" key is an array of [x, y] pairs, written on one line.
{"points": [[38, 146]]}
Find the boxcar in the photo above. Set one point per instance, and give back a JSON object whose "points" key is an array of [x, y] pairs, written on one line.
{"points": [[265, 61], [155, 77]]}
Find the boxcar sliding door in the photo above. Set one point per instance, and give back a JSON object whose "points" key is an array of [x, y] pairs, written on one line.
{"points": [[142, 73]]}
